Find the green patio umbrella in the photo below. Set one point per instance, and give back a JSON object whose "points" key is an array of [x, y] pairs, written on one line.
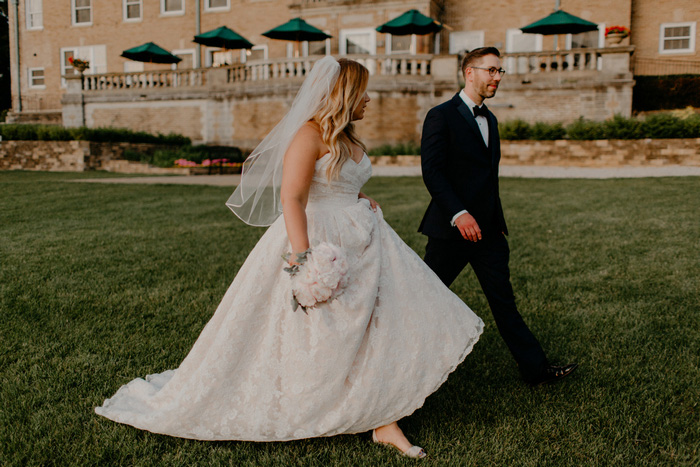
{"points": [[411, 22], [296, 30], [559, 22], [150, 53], [224, 38]]}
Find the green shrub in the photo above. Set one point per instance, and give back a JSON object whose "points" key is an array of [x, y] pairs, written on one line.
{"points": [[514, 130], [542, 131], [622, 128], [692, 126], [136, 156], [663, 126], [28, 132], [585, 130], [401, 149], [167, 157]]}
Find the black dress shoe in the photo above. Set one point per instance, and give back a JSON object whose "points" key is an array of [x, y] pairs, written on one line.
{"points": [[553, 373]]}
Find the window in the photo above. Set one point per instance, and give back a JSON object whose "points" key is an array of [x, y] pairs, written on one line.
{"points": [[400, 44], [95, 54], [35, 19], [82, 12], [358, 41], [317, 47], [464, 41], [586, 40], [677, 38], [518, 41], [306, 48], [216, 5], [187, 56], [172, 7], [132, 10], [258, 52], [36, 78]]}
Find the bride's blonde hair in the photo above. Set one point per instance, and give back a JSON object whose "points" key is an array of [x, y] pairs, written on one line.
{"points": [[335, 115]]}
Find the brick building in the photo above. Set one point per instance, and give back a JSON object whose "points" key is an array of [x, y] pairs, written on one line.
{"points": [[581, 76]]}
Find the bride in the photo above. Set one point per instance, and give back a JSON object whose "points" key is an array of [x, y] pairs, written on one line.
{"points": [[260, 371]]}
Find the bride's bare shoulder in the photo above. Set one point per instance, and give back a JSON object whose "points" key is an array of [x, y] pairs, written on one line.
{"points": [[310, 130], [309, 135]]}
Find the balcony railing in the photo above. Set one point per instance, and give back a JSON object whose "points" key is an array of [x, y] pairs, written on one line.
{"points": [[415, 67], [558, 61], [259, 70], [145, 80]]}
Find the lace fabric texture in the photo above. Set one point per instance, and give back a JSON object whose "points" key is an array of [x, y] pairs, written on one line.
{"points": [[260, 372]]}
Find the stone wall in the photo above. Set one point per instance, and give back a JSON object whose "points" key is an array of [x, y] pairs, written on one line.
{"points": [[602, 153], [79, 156], [74, 156]]}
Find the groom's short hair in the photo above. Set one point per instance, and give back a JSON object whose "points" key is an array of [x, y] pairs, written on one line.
{"points": [[471, 57]]}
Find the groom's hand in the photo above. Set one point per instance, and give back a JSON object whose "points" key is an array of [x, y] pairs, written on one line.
{"points": [[468, 227]]}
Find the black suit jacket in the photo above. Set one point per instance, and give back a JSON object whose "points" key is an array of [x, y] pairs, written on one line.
{"points": [[459, 171]]}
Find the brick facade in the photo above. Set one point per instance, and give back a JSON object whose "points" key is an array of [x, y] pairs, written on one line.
{"points": [[40, 49]]}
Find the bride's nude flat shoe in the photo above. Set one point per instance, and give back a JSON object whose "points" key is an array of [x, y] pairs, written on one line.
{"points": [[416, 452]]}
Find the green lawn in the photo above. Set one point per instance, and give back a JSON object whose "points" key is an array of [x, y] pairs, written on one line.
{"points": [[103, 283]]}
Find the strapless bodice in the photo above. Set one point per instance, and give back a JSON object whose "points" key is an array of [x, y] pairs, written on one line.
{"points": [[341, 191]]}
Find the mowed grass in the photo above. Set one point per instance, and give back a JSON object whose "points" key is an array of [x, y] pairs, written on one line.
{"points": [[100, 284]]}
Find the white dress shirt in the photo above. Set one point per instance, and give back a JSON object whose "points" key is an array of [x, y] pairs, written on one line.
{"points": [[483, 127]]}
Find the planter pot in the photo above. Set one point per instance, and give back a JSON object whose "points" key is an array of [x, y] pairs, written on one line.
{"points": [[614, 39]]}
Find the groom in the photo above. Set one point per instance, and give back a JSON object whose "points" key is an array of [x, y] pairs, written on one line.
{"points": [[460, 151]]}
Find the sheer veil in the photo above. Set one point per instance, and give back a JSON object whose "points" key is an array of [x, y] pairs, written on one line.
{"points": [[256, 200]]}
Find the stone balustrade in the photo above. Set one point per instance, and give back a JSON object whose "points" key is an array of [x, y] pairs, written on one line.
{"points": [[144, 80], [562, 61], [586, 59], [258, 70]]}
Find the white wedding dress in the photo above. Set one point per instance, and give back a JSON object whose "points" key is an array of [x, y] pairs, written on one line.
{"points": [[261, 372]]}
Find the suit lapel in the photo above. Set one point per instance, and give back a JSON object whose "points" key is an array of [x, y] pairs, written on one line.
{"points": [[494, 142], [469, 117]]}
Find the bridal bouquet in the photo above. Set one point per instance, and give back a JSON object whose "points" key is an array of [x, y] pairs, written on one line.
{"points": [[321, 275]]}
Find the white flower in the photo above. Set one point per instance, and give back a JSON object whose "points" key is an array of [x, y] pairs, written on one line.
{"points": [[321, 276]]}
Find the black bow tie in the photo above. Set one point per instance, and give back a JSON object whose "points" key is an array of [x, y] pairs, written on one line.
{"points": [[481, 111]]}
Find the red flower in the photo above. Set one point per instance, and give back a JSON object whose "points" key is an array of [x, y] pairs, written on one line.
{"points": [[617, 30]]}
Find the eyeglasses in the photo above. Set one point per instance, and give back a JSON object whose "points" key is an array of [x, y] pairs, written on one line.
{"points": [[492, 71]]}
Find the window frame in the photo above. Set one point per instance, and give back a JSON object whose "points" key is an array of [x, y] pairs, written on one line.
{"points": [[326, 45], [176, 52], [569, 38], [691, 42], [515, 32], [65, 64], [74, 11], [411, 48], [478, 35], [126, 4], [208, 8], [244, 54], [512, 64], [30, 78], [84, 52], [172, 13], [29, 15], [344, 33]]}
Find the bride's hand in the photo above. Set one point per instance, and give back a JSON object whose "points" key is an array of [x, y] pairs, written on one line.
{"points": [[372, 203]]}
